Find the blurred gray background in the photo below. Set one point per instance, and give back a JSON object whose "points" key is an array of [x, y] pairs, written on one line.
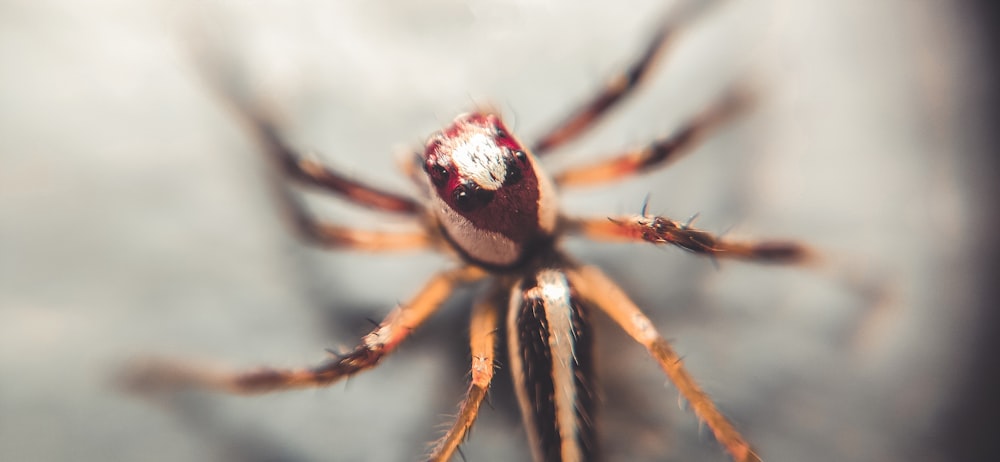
{"points": [[136, 219]]}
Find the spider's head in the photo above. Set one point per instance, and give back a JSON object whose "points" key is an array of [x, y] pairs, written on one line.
{"points": [[489, 194]]}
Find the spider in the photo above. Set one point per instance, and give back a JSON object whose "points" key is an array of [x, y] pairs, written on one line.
{"points": [[488, 202]]}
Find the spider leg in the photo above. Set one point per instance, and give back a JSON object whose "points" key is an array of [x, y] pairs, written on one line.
{"points": [[482, 340], [324, 234], [661, 230], [660, 152], [619, 87], [221, 84], [600, 290], [154, 376], [311, 172]]}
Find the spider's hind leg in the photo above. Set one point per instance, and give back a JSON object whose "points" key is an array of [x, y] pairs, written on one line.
{"points": [[156, 376], [598, 289]]}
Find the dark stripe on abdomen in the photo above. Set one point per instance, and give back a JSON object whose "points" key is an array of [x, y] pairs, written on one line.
{"points": [[551, 356]]}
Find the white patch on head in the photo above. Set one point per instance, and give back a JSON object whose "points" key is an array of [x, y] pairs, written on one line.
{"points": [[480, 159]]}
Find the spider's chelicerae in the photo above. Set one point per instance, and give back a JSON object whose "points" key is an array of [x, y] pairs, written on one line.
{"points": [[490, 204]]}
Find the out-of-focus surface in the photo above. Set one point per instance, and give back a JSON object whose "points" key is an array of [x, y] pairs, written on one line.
{"points": [[135, 218]]}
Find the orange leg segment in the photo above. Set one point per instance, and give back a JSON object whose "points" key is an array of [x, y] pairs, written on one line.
{"points": [[167, 375], [601, 291], [661, 230], [482, 338], [660, 152]]}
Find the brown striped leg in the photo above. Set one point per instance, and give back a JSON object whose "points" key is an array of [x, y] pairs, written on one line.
{"points": [[619, 87], [215, 72], [660, 152], [616, 89], [334, 236], [482, 339], [155, 376], [594, 286], [660, 230], [310, 171]]}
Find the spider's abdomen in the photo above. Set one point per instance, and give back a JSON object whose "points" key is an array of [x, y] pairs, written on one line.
{"points": [[488, 193], [550, 346]]}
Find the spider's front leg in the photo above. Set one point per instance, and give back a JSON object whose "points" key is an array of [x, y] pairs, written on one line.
{"points": [[661, 230], [617, 88], [601, 291], [215, 71], [157, 375], [614, 92], [663, 151], [310, 171]]}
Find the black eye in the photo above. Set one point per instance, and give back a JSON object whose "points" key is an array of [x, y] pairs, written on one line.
{"points": [[469, 197], [500, 132], [514, 172], [521, 155], [437, 173]]}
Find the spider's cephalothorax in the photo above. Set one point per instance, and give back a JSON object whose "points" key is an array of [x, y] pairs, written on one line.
{"points": [[487, 192], [494, 205]]}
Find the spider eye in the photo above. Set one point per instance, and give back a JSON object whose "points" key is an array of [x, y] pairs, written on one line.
{"points": [[469, 197], [500, 132], [437, 173], [514, 168]]}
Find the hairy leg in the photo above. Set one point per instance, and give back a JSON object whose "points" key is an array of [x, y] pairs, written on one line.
{"points": [[157, 376], [329, 235], [482, 340], [615, 91], [661, 230], [660, 152], [600, 290]]}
